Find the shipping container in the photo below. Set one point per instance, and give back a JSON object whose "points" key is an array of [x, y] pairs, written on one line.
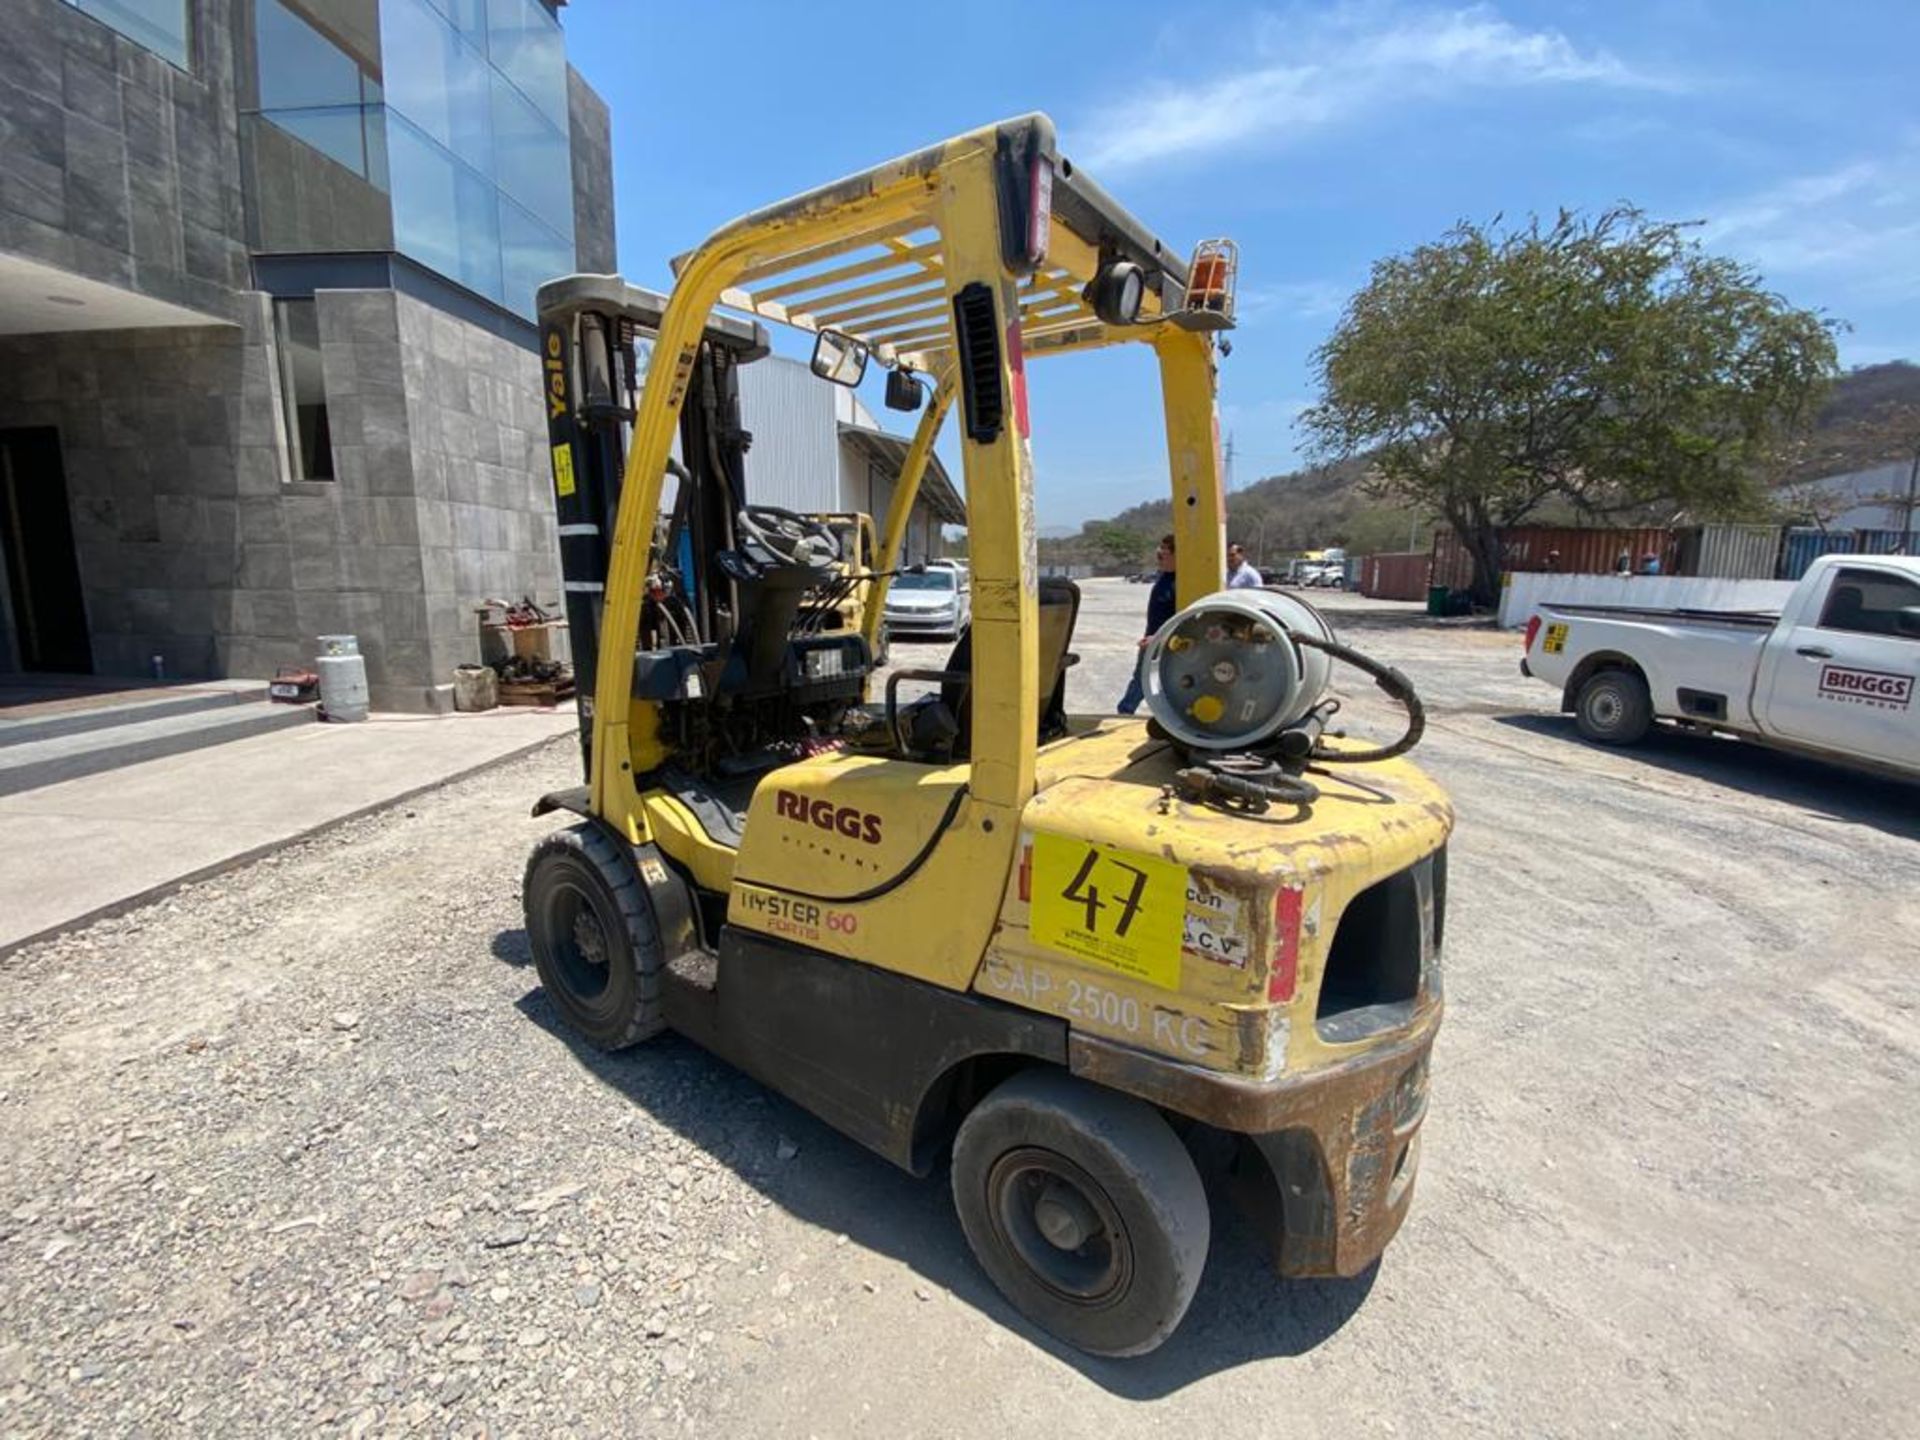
{"points": [[1803, 547], [1401, 576], [1568, 550], [1729, 552], [1887, 542]]}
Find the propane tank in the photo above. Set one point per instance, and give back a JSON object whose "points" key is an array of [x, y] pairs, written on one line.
{"points": [[1226, 674], [343, 678]]}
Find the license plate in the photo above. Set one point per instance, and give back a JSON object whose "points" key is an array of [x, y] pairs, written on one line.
{"points": [[281, 690]]}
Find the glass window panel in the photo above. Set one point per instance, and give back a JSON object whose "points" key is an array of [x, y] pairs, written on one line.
{"points": [[532, 162], [531, 254], [338, 132], [300, 67], [303, 389], [1868, 602], [160, 25], [444, 214], [469, 17], [376, 137], [437, 80], [525, 44]]}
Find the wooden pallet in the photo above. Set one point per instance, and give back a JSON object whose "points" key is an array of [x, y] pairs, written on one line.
{"points": [[536, 692]]}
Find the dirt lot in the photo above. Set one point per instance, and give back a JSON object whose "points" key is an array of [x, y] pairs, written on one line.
{"points": [[303, 1149]]}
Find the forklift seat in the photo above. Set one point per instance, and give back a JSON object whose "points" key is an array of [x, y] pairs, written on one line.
{"points": [[1059, 611]]}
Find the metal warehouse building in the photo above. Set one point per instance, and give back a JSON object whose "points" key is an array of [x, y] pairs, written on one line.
{"points": [[817, 448]]}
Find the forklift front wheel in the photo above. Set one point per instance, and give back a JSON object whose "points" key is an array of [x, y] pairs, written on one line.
{"points": [[593, 937], [1084, 1209]]}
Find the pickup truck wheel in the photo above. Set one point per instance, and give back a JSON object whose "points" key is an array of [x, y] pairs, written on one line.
{"points": [[1613, 708], [1084, 1209]]}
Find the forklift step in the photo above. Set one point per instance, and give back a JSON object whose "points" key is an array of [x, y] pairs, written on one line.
{"points": [[31, 764]]}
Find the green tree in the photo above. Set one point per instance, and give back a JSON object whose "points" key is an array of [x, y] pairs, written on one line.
{"points": [[1118, 544], [1606, 361]]}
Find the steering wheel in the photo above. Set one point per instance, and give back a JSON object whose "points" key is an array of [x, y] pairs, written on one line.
{"points": [[789, 538]]}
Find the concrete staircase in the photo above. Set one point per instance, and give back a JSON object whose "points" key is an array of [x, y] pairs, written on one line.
{"points": [[47, 742]]}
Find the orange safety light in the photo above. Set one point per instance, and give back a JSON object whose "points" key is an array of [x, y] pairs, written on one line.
{"points": [[1211, 277]]}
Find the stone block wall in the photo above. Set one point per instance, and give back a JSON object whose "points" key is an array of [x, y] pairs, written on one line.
{"points": [[590, 139], [194, 546], [117, 166], [169, 446], [476, 442]]}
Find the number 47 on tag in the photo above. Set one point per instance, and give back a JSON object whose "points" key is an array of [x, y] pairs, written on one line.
{"points": [[1119, 908]]}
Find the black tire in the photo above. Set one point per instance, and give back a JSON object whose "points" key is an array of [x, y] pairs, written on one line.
{"points": [[1046, 1159], [593, 937], [1613, 708]]}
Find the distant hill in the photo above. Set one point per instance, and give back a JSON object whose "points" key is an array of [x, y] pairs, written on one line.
{"points": [[1872, 416]]}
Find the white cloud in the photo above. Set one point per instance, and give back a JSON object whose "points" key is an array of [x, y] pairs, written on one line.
{"points": [[1860, 220], [1298, 299], [1307, 72]]}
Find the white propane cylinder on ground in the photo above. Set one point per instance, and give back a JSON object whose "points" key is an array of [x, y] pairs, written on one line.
{"points": [[343, 678], [1225, 673]]}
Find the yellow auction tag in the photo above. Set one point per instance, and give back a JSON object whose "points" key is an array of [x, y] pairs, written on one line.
{"points": [[563, 469], [1556, 640], [1118, 908]]}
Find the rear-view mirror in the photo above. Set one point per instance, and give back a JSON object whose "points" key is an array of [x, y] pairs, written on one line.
{"points": [[903, 391], [839, 358], [1908, 620]]}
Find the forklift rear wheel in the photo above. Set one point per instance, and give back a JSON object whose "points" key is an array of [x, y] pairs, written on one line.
{"points": [[1084, 1209], [593, 938]]}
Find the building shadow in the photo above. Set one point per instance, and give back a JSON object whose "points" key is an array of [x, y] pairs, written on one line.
{"points": [[1242, 1312], [1823, 787]]}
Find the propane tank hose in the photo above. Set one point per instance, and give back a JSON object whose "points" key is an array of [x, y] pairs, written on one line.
{"points": [[1398, 688], [1250, 782]]}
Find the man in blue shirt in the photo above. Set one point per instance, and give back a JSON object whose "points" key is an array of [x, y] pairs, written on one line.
{"points": [[1160, 609]]}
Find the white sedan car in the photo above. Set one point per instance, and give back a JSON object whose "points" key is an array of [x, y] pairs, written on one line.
{"points": [[931, 603]]}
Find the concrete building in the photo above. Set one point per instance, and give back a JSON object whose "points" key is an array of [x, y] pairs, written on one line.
{"points": [[267, 360], [817, 448]]}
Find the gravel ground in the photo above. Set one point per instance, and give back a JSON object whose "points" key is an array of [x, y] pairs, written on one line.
{"points": [[303, 1149]]}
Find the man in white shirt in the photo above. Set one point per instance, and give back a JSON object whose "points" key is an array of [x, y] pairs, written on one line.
{"points": [[1241, 575]]}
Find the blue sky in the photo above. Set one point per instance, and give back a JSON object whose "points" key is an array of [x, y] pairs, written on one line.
{"points": [[1320, 137]]}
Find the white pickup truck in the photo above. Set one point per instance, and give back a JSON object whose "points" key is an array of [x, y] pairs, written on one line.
{"points": [[1833, 674]]}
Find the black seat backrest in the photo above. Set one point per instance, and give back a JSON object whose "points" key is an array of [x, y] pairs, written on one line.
{"points": [[1058, 611]]}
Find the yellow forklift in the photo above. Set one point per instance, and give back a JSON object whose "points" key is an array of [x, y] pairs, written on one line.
{"points": [[840, 606], [1065, 952]]}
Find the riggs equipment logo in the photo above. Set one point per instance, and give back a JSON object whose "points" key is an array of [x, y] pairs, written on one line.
{"points": [[1866, 687], [843, 819]]}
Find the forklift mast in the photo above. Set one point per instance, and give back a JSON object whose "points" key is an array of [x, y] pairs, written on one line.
{"points": [[595, 332]]}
